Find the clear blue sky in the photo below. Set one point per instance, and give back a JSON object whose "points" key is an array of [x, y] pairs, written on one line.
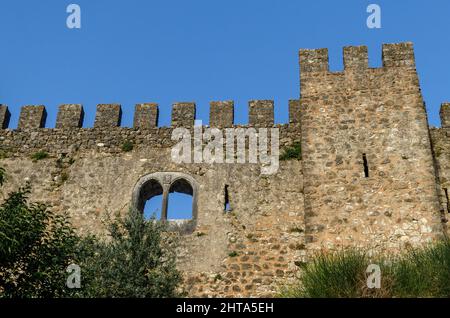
{"points": [[190, 50]]}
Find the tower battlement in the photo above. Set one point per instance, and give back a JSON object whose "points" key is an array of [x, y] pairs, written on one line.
{"points": [[356, 58], [364, 130]]}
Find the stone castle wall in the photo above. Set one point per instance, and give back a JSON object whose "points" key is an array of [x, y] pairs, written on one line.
{"points": [[367, 161], [370, 174], [242, 252], [440, 138]]}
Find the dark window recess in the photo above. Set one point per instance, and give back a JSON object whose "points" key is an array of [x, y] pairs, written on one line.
{"points": [[227, 207], [366, 166], [447, 201]]}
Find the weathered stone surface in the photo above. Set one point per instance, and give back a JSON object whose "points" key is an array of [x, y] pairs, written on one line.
{"points": [[146, 116], [261, 113], [100, 179], [221, 114], [356, 57], [294, 111], [5, 116], [32, 117], [445, 115], [70, 116], [367, 159], [183, 114], [108, 115]]}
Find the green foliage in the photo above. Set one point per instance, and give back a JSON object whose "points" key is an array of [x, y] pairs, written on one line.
{"points": [[36, 246], [2, 176], [137, 261], [127, 146], [64, 177], [39, 155], [423, 273], [233, 254], [418, 273], [293, 152], [332, 275]]}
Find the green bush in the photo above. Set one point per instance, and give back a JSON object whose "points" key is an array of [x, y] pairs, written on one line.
{"points": [[293, 152], [36, 246], [64, 177], [418, 273], [127, 146], [39, 155], [331, 276], [137, 261], [424, 272]]}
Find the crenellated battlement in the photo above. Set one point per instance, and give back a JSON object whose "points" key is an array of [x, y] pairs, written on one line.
{"points": [[397, 73], [356, 58], [71, 116], [314, 67], [107, 135]]}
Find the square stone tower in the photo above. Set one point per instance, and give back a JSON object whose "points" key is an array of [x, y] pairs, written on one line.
{"points": [[369, 178]]}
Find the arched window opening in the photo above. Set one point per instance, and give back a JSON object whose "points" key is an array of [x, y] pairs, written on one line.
{"points": [[153, 208], [180, 202], [171, 197], [150, 199]]}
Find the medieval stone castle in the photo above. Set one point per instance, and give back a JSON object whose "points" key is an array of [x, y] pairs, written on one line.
{"points": [[372, 174]]}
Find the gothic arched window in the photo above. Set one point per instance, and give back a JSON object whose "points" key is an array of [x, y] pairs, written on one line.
{"points": [[154, 191]]}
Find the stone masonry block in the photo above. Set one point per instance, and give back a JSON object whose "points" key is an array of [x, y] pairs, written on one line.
{"points": [[70, 116]]}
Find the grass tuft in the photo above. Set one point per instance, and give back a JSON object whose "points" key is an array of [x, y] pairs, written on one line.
{"points": [[127, 146], [417, 273], [293, 152], [39, 155]]}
